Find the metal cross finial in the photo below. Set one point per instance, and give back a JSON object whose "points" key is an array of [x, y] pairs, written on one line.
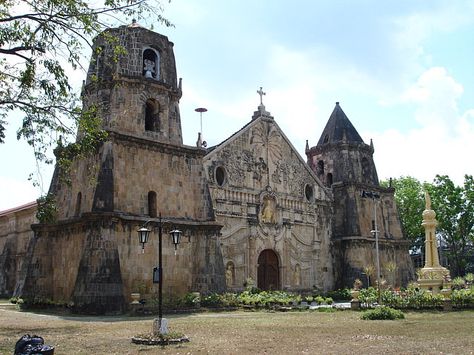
{"points": [[261, 93]]}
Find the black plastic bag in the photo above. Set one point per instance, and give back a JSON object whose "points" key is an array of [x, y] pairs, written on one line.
{"points": [[32, 345]]}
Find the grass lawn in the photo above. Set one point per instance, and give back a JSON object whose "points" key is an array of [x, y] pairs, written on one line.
{"points": [[342, 332]]}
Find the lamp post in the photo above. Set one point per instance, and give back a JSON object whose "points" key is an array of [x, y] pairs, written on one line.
{"points": [[143, 235], [375, 234]]}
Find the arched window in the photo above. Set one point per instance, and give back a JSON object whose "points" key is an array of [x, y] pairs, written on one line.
{"points": [[151, 64], [220, 176], [152, 204], [329, 179], [77, 211], [309, 192], [320, 168], [152, 116]]}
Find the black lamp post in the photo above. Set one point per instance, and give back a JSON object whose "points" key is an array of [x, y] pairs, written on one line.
{"points": [[143, 234]]}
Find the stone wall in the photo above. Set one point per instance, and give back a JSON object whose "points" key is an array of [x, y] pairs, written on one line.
{"points": [[15, 236], [261, 170], [355, 242], [96, 263]]}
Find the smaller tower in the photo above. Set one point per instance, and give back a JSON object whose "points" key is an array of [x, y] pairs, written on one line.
{"points": [[341, 155], [344, 163]]}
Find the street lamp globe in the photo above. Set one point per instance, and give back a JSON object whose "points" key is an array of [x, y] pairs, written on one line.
{"points": [[175, 236], [143, 234]]}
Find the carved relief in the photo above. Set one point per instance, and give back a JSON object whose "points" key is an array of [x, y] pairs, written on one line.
{"points": [[233, 164], [237, 164], [291, 175], [267, 135], [230, 274], [297, 275], [269, 215]]}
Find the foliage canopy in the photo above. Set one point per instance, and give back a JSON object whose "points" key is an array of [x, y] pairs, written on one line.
{"points": [[41, 46], [454, 207]]}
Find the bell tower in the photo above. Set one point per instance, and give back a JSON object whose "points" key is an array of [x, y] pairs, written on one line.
{"points": [[363, 210], [132, 81], [142, 170]]}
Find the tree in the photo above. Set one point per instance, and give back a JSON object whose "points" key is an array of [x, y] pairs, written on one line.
{"points": [[39, 40], [410, 203], [454, 207]]}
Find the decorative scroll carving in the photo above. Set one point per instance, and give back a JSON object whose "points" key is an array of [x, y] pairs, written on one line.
{"points": [[291, 175], [238, 163], [267, 135]]}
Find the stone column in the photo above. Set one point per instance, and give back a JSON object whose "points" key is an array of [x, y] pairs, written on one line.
{"points": [[432, 276], [252, 262]]}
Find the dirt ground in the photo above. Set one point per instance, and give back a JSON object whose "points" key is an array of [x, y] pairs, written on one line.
{"points": [[342, 332]]}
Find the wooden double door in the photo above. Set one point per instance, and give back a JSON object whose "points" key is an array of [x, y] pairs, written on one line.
{"points": [[268, 273]]}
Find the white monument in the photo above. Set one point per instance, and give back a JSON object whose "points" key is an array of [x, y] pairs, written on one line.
{"points": [[432, 276]]}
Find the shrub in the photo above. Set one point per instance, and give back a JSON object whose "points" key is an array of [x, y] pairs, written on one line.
{"points": [[319, 299], [211, 300], [413, 297], [382, 313], [229, 300], [343, 294], [267, 298], [463, 298], [458, 283], [329, 300], [469, 278], [190, 299], [368, 296]]}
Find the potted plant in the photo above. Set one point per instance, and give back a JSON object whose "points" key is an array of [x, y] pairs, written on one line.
{"points": [[139, 291], [356, 289]]}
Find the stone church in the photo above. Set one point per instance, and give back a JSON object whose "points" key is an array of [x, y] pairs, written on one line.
{"points": [[249, 208]]}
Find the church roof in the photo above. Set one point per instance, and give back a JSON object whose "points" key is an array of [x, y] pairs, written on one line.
{"points": [[339, 129]]}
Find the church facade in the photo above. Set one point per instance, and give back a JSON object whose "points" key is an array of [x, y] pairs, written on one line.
{"points": [[249, 208]]}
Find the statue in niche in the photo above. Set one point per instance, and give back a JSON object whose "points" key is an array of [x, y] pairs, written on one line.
{"points": [[268, 210], [229, 274], [149, 67], [297, 275]]}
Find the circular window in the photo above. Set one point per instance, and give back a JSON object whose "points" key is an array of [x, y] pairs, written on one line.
{"points": [[309, 192], [220, 176]]}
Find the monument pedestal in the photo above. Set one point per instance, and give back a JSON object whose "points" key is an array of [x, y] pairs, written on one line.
{"points": [[355, 305], [433, 276]]}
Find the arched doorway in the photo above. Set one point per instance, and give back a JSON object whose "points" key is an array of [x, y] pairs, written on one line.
{"points": [[268, 273]]}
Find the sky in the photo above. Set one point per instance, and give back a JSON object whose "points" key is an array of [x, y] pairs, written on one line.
{"points": [[402, 71]]}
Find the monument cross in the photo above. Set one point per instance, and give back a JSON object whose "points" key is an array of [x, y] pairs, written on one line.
{"points": [[261, 93]]}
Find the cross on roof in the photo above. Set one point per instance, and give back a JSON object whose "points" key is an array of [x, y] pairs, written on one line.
{"points": [[261, 93]]}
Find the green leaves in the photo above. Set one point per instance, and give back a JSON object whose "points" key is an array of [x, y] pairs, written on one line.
{"points": [[409, 196], [39, 41], [383, 313], [454, 207]]}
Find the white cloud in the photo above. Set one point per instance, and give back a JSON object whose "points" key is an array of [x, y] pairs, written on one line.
{"points": [[436, 93], [16, 192], [437, 146]]}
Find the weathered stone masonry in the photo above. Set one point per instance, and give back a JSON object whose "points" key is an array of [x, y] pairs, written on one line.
{"points": [[249, 207]]}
